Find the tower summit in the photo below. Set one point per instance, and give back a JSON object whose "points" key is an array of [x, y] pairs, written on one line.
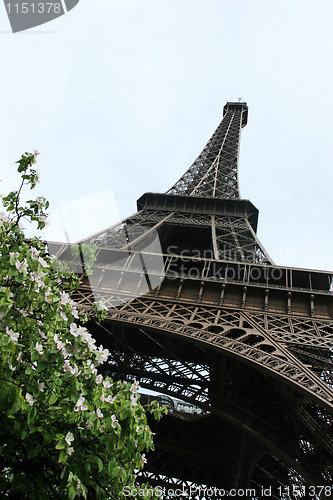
{"points": [[214, 174], [199, 313]]}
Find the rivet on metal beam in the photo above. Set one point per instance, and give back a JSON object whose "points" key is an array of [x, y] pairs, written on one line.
{"points": [[181, 282], [312, 306], [244, 296], [222, 295], [289, 303], [266, 299], [201, 291], [119, 281]]}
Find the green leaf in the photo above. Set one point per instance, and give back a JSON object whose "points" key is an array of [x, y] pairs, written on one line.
{"points": [[31, 415], [62, 456], [124, 412], [53, 398], [41, 366], [96, 462], [71, 493], [61, 444], [5, 340], [35, 451], [16, 404]]}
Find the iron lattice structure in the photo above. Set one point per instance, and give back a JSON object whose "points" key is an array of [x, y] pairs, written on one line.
{"points": [[199, 312]]}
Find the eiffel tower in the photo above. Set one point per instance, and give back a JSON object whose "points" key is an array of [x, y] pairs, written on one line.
{"points": [[241, 348]]}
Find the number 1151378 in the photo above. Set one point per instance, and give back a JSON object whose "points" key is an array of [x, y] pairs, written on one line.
{"points": [[34, 8], [302, 491]]}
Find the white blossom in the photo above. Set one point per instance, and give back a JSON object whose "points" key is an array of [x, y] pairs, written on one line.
{"points": [[69, 438], [70, 450], [60, 346], [73, 370], [38, 279], [41, 200], [107, 384], [4, 217], [30, 399], [65, 299], [39, 348], [134, 387], [114, 421], [133, 400], [79, 405], [93, 370], [47, 294], [89, 425], [42, 334], [103, 355], [75, 313], [99, 379], [21, 266], [89, 339], [43, 262], [143, 458], [76, 372], [77, 330], [67, 366], [110, 399], [40, 386], [99, 413], [13, 335], [34, 252], [62, 315], [101, 306]]}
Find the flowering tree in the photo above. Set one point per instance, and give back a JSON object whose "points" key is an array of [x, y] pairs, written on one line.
{"points": [[66, 431]]}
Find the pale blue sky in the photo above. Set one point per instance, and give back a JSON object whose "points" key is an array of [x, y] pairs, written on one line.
{"points": [[121, 96]]}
